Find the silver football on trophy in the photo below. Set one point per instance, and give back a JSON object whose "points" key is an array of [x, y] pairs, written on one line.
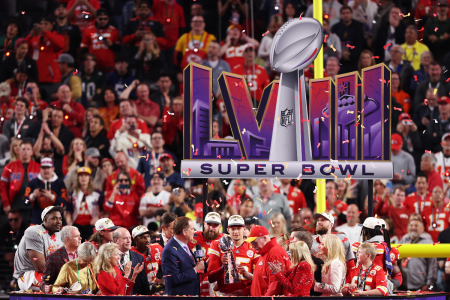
{"points": [[296, 45], [226, 244]]}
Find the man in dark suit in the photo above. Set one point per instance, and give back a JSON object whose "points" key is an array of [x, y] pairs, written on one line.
{"points": [[54, 262], [122, 238], [181, 272], [167, 221]]}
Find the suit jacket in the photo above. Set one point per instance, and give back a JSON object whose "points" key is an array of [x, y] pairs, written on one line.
{"points": [[141, 285], [53, 265], [178, 269], [158, 240]]}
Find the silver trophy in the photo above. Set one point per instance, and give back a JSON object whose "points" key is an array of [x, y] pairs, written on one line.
{"points": [[226, 244]]}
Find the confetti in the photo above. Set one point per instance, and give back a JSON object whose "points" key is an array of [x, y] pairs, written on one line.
{"points": [[226, 182], [218, 156], [373, 165], [259, 199], [265, 33], [356, 124], [40, 232], [351, 47], [435, 29], [120, 203], [243, 131], [350, 112], [318, 145], [242, 159], [34, 258], [325, 39], [304, 120], [423, 132], [397, 108], [334, 49], [343, 142], [383, 80], [126, 212], [404, 16], [192, 147], [385, 46], [315, 189], [11, 232], [335, 177], [300, 175], [287, 167], [300, 18]]}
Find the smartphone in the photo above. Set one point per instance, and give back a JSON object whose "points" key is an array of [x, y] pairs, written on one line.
{"points": [[407, 122], [123, 186], [29, 90]]}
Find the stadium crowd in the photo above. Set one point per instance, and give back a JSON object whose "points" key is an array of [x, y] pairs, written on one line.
{"points": [[91, 142]]}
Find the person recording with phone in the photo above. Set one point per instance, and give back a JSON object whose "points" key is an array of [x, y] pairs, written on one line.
{"points": [[148, 61], [123, 203], [411, 139]]}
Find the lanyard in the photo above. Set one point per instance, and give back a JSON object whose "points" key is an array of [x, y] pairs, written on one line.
{"points": [[18, 126], [359, 285], [88, 274], [421, 207], [437, 85], [7, 42], [166, 16], [195, 42]]}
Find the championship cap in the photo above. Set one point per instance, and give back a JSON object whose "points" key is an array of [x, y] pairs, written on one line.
{"points": [[140, 230], [256, 232], [47, 162], [165, 155], [213, 217], [105, 224], [49, 209], [373, 223], [326, 215], [236, 220]]}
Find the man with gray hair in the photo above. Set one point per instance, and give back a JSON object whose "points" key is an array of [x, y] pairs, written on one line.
{"points": [[71, 238], [86, 251], [404, 68], [427, 166]]}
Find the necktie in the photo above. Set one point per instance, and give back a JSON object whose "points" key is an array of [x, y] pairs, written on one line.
{"points": [[122, 259], [189, 253]]}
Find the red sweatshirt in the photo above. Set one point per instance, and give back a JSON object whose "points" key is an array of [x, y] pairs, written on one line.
{"points": [[125, 209], [12, 178], [114, 286], [45, 52], [298, 281], [137, 182], [75, 119]]}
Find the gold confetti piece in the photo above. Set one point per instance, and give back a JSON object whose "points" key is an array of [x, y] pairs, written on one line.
{"points": [[387, 106], [243, 131], [435, 91], [362, 126], [326, 170], [175, 248], [269, 211], [350, 112], [323, 119], [332, 47], [259, 199], [424, 132], [335, 177], [286, 165], [40, 232], [404, 16], [278, 119], [192, 147], [126, 85], [264, 182], [359, 117]]}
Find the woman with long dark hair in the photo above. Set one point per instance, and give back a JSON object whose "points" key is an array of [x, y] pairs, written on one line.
{"points": [[109, 109]]}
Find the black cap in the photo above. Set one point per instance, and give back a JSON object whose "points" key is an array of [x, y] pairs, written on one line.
{"points": [[60, 4], [158, 175], [102, 12], [149, 3]]}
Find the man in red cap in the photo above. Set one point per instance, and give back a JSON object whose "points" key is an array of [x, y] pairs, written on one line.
{"points": [[404, 167], [437, 127], [172, 177], [264, 282]]}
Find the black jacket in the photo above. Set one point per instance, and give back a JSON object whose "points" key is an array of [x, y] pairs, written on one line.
{"points": [[158, 240], [10, 64], [382, 37], [100, 142], [352, 35], [141, 285], [406, 74], [72, 38], [435, 130], [9, 126], [443, 90], [424, 111]]}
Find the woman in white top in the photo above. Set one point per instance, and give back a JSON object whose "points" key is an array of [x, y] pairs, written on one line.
{"points": [[334, 269]]}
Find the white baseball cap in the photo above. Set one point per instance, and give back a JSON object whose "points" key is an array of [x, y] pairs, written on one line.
{"points": [[213, 217], [140, 230], [372, 223], [47, 162], [105, 224], [326, 215], [236, 220], [49, 209]]}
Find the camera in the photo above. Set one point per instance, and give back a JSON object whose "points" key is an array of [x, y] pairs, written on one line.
{"points": [[407, 122], [123, 186]]}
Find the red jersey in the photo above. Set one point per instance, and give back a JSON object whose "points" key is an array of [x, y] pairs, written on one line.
{"points": [[436, 220], [417, 203], [424, 6], [379, 259], [152, 261], [125, 209], [256, 82], [137, 182], [118, 123], [7, 110], [244, 255], [105, 56], [376, 279], [200, 239], [172, 19], [295, 197], [75, 119], [233, 55], [82, 17], [400, 216], [342, 206]]}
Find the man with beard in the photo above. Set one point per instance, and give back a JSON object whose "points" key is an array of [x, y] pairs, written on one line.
{"points": [[152, 256], [38, 242], [243, 254], [443, 161], [92, 79], [91, 160], [420, 272], [211, 232], [324, 224]]}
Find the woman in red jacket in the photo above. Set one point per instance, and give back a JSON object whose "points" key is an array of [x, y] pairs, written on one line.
{"points": [[123, 204], [297, 280], [109, 276]]}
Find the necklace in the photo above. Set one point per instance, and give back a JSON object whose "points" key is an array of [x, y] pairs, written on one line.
{"points": [[88, 274], [360, 285]]}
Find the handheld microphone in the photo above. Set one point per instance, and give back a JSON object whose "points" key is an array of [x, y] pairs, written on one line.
{"points": [[199, 254]]}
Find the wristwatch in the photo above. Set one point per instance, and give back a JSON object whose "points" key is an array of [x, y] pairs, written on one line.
{"points": [[322, 285]]}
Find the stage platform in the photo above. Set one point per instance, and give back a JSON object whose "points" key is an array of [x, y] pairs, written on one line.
{"points": [[405, 295]]}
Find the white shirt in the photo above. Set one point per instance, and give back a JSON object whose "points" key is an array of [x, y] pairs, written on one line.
{"points": [[353, 232], [165, 239], [150, 200]]}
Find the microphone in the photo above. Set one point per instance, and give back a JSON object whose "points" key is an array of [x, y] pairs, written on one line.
{"points": [[199, 254]]}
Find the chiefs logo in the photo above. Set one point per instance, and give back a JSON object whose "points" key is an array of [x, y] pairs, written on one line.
{"points": [[392, 256], [158, 256], [193, 58], [194, 242], [250, 253], [373, 272]]}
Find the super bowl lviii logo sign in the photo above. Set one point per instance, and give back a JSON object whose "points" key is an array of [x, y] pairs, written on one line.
{"points": [[343, 130]]}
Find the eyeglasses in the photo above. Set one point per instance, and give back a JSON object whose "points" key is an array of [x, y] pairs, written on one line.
{"points": [[123, 180], [13, 220], [103, 19]]}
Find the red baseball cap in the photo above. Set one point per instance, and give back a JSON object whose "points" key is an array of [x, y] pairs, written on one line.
{"points": [[396, 141], [256, 232], [444, 100], [165, 155], [198, 210], [404, 116]]}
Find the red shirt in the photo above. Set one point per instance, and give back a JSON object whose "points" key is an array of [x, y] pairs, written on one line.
{"points": [[147, 108], [342, 206], [423, 6], [295, 197], [438, 216], [118, 123], [376, 279], [400, 217], [137, 182], [233, 55], [171, 18], [81, 11], [379, 258], [84, 217], [42, 105], [110, 285], [244, 255], [152, 261], [171, 125], [256, 82], [200, 239], [105, 56], [125, 209], [75, 119], [417, 203], [434, 179]]}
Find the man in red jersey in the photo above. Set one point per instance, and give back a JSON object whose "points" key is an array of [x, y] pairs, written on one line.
{"points": [[211, 232], [256, 80], [295, 196], [126, 110], [244, 256], [102, 40], [420, 199], [358, 283], [152, 256], [234, 45], [427, 166], [137, 184], [437, 216]]}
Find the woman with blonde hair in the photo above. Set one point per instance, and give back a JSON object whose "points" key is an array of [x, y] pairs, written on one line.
{"points": [[334, 269], [110, 279], [14, 151], [75, 156], [282, 240], [278, 225], [365, 60], [296, 281]]}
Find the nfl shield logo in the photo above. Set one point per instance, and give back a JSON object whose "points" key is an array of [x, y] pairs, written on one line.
{"points": [[286, 117]]}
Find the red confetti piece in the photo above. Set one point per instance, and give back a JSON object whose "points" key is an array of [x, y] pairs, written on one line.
{"points": [[300, 18], [427, 151], [385, 46], [242, 158], [375, 57], [325, 40], [383, 80], [448, 79], [264, 213], [317, 122], [356, 124], [218, 156], [265, 33], [11, 232], [304, 120], [34, 258], [436, 29], [306, 170], [192, 196], [61, 204], [318, 145], [126, 212], [350, 46], [436, 243], [396, 108]]}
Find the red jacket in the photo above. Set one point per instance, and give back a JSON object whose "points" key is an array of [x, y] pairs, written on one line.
{"points": [[11, 180], [125, 209], [114, 286], [75, 119], [264, 282], [118, 123], [45, 53], [298, 281]]}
